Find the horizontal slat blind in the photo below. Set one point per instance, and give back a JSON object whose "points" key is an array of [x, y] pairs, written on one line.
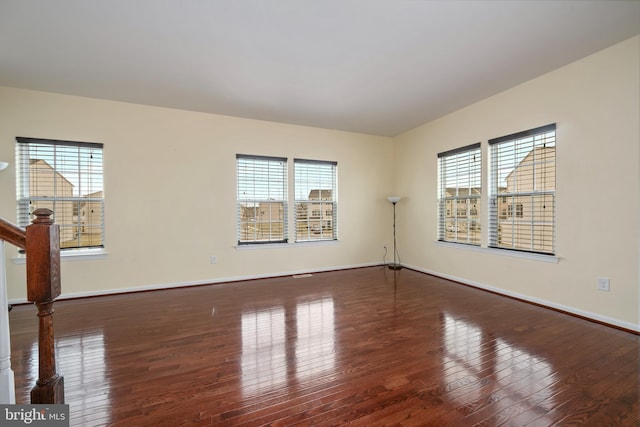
{"points": [[261, 199], [523, 183], [459, 192], [66, 177], [316, 206]]}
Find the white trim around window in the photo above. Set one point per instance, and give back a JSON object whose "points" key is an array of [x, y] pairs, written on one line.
{"points": [[522, 191], [261, 199], [459, 195], [66, 177], [316, 202]]}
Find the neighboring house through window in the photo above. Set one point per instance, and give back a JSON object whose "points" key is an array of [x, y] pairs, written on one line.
{"points": [[261, 199], [315, 200], [459, 192], [523, 184], [66, 177]]}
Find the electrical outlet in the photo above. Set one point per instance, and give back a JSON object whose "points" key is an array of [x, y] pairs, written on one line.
{"points": [[603, 284], [213, 259]]}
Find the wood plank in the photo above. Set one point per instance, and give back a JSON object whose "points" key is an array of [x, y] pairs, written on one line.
{"points": [[360, 347]]}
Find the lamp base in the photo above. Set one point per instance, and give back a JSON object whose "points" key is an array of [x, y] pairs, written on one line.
{"points": [[394, 267]]}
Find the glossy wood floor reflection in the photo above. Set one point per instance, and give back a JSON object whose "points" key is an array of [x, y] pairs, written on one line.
{"points": [[363, 347]]}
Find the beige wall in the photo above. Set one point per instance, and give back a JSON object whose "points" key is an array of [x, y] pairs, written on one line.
{"points": [[596, 105], [170, 191]]}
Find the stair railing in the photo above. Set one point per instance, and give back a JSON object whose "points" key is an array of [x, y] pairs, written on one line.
{"points": [[41, 243]]}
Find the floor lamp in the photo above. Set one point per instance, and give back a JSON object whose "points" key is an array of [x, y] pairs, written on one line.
{"points": [[395, 265]]}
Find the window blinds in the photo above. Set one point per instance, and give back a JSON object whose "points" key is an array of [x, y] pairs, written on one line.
{"points": [[459, 192], [261, 199], [522, 196], [66, 177], [316, 208]]}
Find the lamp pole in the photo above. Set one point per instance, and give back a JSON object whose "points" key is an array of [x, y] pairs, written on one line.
{"points": [[395, 265]]}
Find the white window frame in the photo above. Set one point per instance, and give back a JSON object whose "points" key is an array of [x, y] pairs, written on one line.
{"points": [[528, 229], [262, 189], [315, 188], [68, 178], [460, 183]]}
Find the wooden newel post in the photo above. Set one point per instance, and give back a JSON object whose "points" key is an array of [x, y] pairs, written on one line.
{"points": [[43, 287]]}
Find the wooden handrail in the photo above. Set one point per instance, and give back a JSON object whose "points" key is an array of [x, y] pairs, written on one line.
{"points": [[41, 242], [13, 234]]}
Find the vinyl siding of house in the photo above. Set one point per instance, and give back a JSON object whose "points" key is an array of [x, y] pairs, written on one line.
{"points": [[525, 222], [42, 181], [262, 222], [314, 217]]}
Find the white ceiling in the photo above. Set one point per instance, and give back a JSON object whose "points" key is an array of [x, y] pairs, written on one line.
{"points": [[377, 67]]}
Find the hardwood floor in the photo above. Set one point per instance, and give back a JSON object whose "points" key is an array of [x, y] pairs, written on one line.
{"points": [[365, 347]]}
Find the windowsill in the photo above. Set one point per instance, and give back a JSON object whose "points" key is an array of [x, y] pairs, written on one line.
{"points": [[503, 252], [286, 245], [73, 255]]}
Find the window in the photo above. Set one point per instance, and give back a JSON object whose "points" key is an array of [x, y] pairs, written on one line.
{"points": [[66, 177], [518, 207], [522, 194], [459, 188], [315, 200], [262, 199]]}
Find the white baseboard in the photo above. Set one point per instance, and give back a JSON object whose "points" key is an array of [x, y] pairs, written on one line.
{"points": [[578, 312], [572, 310], [161, 286]]}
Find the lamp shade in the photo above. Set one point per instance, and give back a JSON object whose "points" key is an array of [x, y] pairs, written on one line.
{"points": [[3, 165], [394, 199]]}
